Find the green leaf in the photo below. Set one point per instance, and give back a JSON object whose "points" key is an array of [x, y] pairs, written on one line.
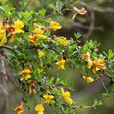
{"points": [[26, 15], [50, 80], [100, 103], [77, 35], [111, 74], [7, 9], [110, 54], [97, 103], [59, 4], [3, 1], [42, 12]]}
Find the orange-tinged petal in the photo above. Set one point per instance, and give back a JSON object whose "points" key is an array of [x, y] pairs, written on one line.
{"points": [[86, 56], [33, 42], [25, 72]]}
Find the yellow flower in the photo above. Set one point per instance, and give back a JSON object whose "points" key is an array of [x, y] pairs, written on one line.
{"points": [[48, 98], [40, 33], [32, 39], [66, 94], [88, 79], [26, 77], [61, 64], [99, 64], [33, 42], [96, 65], [3, 38], [86, 56], [41, 54], [39, 108], [62, 41], [32, 86], [32, 90], [90, 63], [18, 25], [55, 25], [68, 100], [25, 73], [67, 97], [10, 30], [19, 109]]}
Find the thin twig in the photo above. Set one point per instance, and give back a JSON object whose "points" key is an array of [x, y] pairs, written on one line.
{"points": [[81, 106]]}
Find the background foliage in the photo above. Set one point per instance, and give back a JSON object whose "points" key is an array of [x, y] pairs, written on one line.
{"points": [[96, 25]]}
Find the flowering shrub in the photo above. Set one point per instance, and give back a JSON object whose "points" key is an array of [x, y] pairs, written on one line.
{"points": [[33, 50]]}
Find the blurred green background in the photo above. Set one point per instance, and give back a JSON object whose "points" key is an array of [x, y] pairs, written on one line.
{"points": [[103, 32]]}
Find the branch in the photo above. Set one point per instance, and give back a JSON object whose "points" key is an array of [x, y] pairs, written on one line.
{"points": [[7, 47], [91, 27], [87, 27], [97, 8]]}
